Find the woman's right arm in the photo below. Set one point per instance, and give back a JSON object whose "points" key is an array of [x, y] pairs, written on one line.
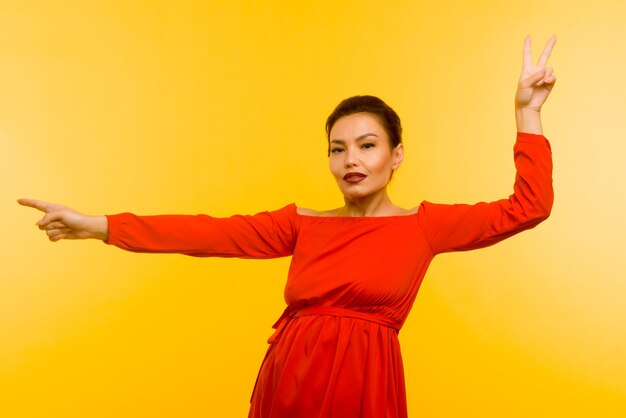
{"points": [[61, 222], [263, 235]]}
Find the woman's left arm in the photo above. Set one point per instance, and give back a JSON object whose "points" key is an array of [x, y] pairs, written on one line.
{"points": [[464, 227]]}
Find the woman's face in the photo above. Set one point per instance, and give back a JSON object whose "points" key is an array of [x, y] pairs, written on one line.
{"points": [[361, 157]]}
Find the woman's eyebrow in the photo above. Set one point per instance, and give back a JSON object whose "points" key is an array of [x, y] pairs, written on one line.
{"points": [[359, 138]]}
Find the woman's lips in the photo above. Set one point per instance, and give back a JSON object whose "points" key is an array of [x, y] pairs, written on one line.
{"points": [[354, 177]]}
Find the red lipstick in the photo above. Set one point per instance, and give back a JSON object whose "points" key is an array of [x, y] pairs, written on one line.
{"points": [[354, 177]]}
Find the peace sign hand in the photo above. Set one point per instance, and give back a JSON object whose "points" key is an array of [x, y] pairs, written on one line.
{"points": [[536, 81], [61, 222]]}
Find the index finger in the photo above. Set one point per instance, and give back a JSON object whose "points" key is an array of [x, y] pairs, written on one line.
{"points": [[546, 51], [37, 204], [528, 56]]}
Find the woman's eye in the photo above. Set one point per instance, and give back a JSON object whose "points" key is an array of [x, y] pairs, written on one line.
{"points": [[336, 150], [368, 145]]}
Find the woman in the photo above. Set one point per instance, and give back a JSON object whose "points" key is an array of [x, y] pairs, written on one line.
{"points": [[356, 269]]}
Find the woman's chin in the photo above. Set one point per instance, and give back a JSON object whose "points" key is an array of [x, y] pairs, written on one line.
{"points": [[358, 193], [354, 195]]}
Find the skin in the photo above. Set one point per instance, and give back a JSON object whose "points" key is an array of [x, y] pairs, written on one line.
{"points": [[368, 198], [360, 144], [534, 86]]}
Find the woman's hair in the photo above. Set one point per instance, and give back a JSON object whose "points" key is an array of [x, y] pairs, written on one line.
{"points": [[368, 104]]}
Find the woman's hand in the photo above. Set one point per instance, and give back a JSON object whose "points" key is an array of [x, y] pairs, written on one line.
{"points": [[61, 222], [536, 81]]}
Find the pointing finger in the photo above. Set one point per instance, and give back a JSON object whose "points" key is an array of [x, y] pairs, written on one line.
{"points": [[37, 204]]}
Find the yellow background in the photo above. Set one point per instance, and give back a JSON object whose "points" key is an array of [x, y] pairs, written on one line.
{"points": [[219, 107]]}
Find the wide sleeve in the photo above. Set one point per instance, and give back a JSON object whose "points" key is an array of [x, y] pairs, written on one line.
{"points": [[461, 227], [263, 235]]}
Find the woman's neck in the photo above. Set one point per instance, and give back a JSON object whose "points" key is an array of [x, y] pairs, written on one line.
{"points": [[377, 204]]}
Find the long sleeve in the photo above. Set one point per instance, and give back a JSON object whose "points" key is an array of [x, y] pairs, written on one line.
{"points": [[264, 235], [462, 227]]}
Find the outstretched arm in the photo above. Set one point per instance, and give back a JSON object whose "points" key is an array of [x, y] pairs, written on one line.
{"points": [[264, 235], [61, 222], [535, 84]]}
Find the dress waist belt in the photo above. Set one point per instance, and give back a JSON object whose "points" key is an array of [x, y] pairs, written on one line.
{"points": [[290, 313]]}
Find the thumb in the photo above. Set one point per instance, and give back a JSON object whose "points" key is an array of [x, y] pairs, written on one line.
{"points": [[48, 217], [532, 79]]}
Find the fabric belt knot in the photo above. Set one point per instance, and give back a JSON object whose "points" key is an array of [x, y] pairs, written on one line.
{"points": [[289, 313]]}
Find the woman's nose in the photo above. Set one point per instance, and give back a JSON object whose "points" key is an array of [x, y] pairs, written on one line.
{"points": [[351, 159]]}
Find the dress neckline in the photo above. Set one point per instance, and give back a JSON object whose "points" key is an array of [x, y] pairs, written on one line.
{"points": [[408, 215]]}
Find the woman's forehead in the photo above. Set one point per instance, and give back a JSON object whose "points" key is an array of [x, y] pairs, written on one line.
{"points": [[357, 125]]}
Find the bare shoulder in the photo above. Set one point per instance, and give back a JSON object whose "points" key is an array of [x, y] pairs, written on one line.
{"points": [[398, 211], [411, 211]]}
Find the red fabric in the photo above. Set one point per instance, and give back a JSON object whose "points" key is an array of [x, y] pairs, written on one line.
{"points": [[351, 284]]}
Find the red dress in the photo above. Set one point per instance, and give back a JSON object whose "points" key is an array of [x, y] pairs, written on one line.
{"points": [[351, 284]]}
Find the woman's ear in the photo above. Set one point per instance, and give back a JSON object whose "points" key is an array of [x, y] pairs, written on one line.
{"points": [[397, 156]]}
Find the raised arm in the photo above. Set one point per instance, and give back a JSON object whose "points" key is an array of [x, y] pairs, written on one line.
{"points": [[534, 86], [61, 222], [463, 227]]}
